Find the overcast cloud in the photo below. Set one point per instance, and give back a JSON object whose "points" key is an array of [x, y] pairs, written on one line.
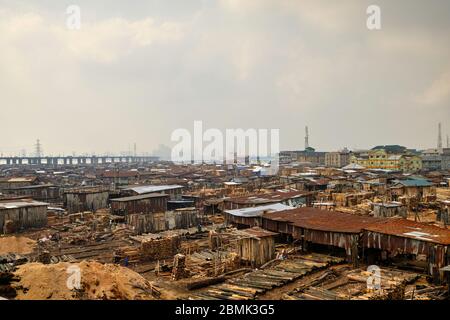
{"points": [[137, 70]]}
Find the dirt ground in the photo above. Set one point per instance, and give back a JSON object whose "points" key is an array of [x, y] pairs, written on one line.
{"points": [[98, 281], [20, 245]]}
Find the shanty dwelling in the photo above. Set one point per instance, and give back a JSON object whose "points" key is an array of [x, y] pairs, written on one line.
{"points": [[184, 218], [389, 209], [174, 191], [16, 215], [370, 239], [351, 199], [443, 213], [378, 188], [407, 242], [40, 192], [289, 198], [320, 230], [120, 177], [420, 189], [85, 199], [15, 182], [256, 246], [146, 203], [251, 216]]}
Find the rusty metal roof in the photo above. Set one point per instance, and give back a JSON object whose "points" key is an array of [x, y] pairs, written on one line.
{"points": [[258, 232], [324, 220], [409, 229]]}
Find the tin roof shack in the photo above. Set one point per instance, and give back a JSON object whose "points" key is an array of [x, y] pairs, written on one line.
{"points": [[15, 182], [146, 203], [161, 221], [85, 199], [120, 177], [289, 198], [40, 192], [390, 209], [251, 216], [351, 199], [335, 232], [256, 246], [378, 188], [405, 237], [174, 191], [420, 189], [22, 214]]}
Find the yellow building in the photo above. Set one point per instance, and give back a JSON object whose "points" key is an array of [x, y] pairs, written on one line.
{"points": [[410, 163], [380, 159]]}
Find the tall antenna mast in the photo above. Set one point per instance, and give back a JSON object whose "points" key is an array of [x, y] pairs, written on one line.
{"points": [[38, 148], [306, 138], [439, 145]]}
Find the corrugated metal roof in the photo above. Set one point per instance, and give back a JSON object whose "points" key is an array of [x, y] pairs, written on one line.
{"points": [[323, 220], [140, 197], [273, 197], [415, 183], [259, 210], [21, 204], [151, 189], [410, 229]]}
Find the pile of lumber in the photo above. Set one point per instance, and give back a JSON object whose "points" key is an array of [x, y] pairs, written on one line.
{"points": [[257, 282], [132, 253], [155, 249], [179, 267], [315, 293]]}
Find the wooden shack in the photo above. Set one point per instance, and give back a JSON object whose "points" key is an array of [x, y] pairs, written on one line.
{"points": [[390, 209], [40, 192], [22, 214], [85, 199], [256, 246], [146, 203]]}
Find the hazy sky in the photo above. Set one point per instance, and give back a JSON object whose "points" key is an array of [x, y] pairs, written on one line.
{"points": [[137, 70]]}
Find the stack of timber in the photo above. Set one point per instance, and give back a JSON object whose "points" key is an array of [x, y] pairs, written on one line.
{"points": [[352, 285], [257, 282], [132, 253], [154, 248], [212, 263], [179, 267], [315, 293]]}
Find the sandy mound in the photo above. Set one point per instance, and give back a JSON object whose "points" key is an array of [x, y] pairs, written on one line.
{"points": [[20, 245], [98, 281]]}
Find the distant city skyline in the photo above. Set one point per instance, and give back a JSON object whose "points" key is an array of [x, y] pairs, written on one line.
{"points": [[135, 72]]}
